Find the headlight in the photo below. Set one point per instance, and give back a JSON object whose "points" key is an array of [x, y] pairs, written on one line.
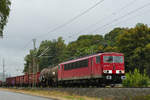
{"points": [[123, 71], [120, 71], [107, 71]]}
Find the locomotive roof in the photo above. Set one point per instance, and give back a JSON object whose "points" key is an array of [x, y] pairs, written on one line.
{"points": [[86, 57]]}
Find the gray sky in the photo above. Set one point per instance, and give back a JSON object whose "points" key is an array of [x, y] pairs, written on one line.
{"points": [[35, 18]]}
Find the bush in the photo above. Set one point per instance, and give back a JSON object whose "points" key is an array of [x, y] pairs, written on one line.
{"points": [[136, 79]]}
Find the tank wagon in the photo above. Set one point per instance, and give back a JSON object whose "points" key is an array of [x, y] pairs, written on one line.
{"points": [[49, 76], [95, 70]]}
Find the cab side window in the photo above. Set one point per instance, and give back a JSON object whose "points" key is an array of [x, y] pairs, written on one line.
{"points": [[98, 59]]}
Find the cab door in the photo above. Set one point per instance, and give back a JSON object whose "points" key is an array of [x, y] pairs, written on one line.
{"points": [[59, 72], [91, 65], [97, 66]]}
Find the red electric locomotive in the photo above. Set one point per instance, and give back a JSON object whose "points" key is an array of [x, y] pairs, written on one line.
{"points": [[102, 68]]}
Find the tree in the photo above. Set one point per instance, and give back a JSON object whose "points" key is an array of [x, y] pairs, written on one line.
{"points": [[111, 37], [55, 53], [85, 45], [147, 57], [134, 43], [4, 13], [29, 61]]}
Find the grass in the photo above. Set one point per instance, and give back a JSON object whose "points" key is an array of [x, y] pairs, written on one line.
{"points": [[51, 94], [141, 98], [74, 98]]}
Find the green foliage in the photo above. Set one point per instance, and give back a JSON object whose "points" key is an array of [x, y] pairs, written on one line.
{"points": [[136, 79], [29, 60], [134, 43], [54, 54], [85, 45], [4, 13], [111, 37], [147, 97]]}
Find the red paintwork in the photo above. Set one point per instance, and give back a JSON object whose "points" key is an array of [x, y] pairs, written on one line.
{"points": [[34, 76], [30, 78], [26, 79], [8, 81], [11, 81], [21, 79], [92, 69], [17, 80], [109, 66], [37, 77]]}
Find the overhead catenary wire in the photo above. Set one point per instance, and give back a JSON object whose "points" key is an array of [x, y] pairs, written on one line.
{"points": [[112, 14], [129, 13], [71, 20], [45, 51], [114, 19], [144, 13], [74, 18], [123, 16]]}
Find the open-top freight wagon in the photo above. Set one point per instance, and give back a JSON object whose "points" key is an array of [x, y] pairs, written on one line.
{"points": [[24, 80]]}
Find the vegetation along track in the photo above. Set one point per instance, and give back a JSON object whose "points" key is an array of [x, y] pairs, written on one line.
{"points": [[116, 93]]}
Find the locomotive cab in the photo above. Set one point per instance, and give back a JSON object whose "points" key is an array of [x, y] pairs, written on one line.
{"points": [[113, 67]]}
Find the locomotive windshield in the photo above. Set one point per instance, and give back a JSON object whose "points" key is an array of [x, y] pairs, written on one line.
{"points": [[108, 59], [113, 59], [118, 59]]}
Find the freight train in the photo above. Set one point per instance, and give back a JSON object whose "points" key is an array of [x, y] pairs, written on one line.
{"points": [[100, 69]]}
